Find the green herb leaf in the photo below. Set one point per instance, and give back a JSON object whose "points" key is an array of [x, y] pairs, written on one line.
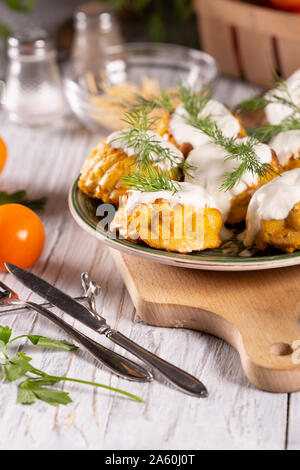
{"points": [[25, 395], [264, 134], [194, 102], [44, 342], [31, 390], [5, 334], [151, 179], [2, 373], [5, 31], [18, 366], [19, 197], [278, 95], [20, 5], [253, 104], [36, 385], [52, 397], [148, 176]]}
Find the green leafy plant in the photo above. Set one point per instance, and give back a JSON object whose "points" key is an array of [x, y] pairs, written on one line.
{"points": [[35, 384], [20, 197], [158, 14], [18, 6]]}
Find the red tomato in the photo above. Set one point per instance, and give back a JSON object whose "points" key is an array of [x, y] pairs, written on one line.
{"points": [[22, 236], [3, 154]]}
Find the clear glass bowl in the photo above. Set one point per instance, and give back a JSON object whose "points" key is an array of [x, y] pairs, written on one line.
{"points": [[164, 62]]}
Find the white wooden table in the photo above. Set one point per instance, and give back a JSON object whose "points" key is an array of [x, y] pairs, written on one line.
{"points": [[235, 416]]}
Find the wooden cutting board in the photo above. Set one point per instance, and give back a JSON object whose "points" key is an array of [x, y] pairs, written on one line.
{"points": [[257, 312]]}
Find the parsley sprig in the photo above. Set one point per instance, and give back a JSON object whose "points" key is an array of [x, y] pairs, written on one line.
{"points": [[36, 383]]}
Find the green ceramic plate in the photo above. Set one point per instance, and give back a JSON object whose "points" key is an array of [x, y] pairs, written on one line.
{"points": [[84, 210]]}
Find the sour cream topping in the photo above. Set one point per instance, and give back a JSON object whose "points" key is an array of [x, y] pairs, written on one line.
{"points": [[273, 201], [115, 140], [277, 112], [188, 195], [209, 166], [286, 144], [184, 132]]}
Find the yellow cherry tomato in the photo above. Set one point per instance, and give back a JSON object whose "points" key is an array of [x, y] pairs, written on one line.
{"points": [[3, 154], [22, 236]]}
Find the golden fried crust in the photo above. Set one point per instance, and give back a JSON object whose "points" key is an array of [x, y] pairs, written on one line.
{"points": [[179, 228], [102, 173], [283, 234], [292, 164], [163, 128], [239, 204]]}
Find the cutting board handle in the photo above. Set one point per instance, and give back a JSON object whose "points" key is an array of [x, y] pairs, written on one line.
{"points": [[257, 312]]}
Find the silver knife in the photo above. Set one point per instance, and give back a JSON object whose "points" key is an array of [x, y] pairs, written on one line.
{"points": [[120, 365], [67, 304]]}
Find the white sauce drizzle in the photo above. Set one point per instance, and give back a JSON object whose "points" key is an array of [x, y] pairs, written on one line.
{"points": [[286, 144], [210, 166], [277, 112], [115, 140], [188, 195], [273, 201], [183, 132]]}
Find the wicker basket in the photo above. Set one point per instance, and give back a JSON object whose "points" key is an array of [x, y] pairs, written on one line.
{"points": [[249, 41]]}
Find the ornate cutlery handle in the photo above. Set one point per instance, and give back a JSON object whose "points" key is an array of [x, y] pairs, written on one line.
{"points": [[178, 377], [117, 364]]}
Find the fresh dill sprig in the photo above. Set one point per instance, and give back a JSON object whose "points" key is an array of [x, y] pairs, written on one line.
{"points": [[151, 179], [163, 101], [149, 153], [253, 104], [264, 134], [147, 147], [243, 150], [279, 94], [138, 119], [194, 102]]}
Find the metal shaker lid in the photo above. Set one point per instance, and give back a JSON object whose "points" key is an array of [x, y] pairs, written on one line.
{"points": [[29, 42], [94, 14]]}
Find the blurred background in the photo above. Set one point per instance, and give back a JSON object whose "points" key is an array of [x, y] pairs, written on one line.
{"points": [[140, 20], [87, 50]]}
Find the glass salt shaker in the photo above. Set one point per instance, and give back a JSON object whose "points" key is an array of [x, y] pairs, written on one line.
{"points": [[98, 51], [33, 94]]}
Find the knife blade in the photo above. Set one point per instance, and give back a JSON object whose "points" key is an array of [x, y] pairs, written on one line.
{"points": [[178, 377], [56, 297]]}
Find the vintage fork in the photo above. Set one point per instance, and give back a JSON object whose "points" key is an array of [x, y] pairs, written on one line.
{"points": [[118, 364]]}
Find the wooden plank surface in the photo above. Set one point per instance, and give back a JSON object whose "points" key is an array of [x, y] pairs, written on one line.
{"points": [[235, 416]]}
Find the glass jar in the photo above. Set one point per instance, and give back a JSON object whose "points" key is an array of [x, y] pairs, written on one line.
{"points": [[33, 94], [98, 52]]}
